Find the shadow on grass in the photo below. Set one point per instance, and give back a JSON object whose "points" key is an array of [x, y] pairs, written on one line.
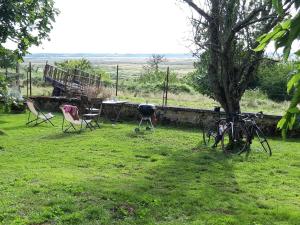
{"points": [[3, 122], [62, 135], [142, 133], [22, 126], [184, 185]]}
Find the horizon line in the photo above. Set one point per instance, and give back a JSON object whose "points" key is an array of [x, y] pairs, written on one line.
{"points": [[108, 53]]}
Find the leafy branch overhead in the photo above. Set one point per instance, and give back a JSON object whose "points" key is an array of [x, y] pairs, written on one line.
{"points": [[25, 23], [284, 35]]}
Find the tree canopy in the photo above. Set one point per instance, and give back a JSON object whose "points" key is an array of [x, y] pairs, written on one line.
{"points": [[25, 23], [226, 30]]}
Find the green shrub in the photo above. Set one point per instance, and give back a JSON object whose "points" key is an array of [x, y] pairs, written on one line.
{"points": [[105, 76], [198, 79], [180, 87], [136, 86], [150, 76], [81, 64], [273, 78], [3, 85]]}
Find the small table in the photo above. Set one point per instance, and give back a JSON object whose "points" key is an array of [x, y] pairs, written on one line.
{"points": [[116, 106]]}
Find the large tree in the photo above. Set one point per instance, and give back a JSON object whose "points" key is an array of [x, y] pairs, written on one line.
{"points": [[25, 23], [226, 30]]}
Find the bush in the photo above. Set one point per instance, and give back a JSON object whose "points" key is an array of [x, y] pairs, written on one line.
{"points": [[38, 81], [150, 76], [105, 76], [198, 79], [156, 87], [81, 64], [273, 77]]}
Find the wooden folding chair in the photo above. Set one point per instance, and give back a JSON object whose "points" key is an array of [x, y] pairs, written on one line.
{"points": [[40, 117], [72, 122]]}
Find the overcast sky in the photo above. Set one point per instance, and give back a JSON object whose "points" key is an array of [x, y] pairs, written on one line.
{"points": [[119, 26]]}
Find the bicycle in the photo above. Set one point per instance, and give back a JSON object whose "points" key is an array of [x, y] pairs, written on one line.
{"points": [[234, 136], [253, 129], [230, 132], [210, 132]]}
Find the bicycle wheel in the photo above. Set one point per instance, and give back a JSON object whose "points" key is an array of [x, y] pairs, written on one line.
{"points": [[209, 134], [235, 139], [263, 141]]}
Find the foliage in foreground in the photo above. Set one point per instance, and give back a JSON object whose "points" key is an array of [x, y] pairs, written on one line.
{"points": [[284, 34], [25, 23], [113, 176]]}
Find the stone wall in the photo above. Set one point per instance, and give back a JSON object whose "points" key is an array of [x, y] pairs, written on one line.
{"points": [[169, 115]]}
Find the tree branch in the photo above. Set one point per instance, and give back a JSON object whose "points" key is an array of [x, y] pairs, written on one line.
{"points": [[240, 25], [258, 20], [198, 9]]}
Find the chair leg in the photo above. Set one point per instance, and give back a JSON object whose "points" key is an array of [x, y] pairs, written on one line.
{"points": [[49, 120], [89, 126], [31, 121], [141, 121], [37, 123], [68, 128], [73, 127], [150, 120], [28, 122], [62, 125], [97, 124]]}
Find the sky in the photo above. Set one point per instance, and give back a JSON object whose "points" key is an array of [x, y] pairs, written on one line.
{"points": [[119, 26]]}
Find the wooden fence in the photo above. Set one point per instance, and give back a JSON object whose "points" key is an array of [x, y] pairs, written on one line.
{"points": [[68, 80]]}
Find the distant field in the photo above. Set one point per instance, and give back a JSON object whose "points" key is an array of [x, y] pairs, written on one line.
{"points": [[129, 66]]}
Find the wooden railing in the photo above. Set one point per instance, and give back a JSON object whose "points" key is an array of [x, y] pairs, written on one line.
{"points": [[67, 79]]}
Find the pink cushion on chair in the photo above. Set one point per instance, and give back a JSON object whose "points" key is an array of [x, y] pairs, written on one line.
{"points": [[72, 110]]}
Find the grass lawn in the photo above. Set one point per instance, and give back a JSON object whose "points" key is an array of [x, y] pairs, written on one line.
{"points": [[113, 176]]}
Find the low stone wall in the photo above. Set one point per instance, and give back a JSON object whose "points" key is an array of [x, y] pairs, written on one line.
{"points": [[178, 116]]}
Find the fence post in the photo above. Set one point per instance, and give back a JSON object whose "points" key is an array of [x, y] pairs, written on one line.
{"points": [[117, 80], [27, 72], [30, 87], [166, 87]]}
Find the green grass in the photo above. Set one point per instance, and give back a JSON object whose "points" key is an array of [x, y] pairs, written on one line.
{"points": [[252, 101], [114, 176]]}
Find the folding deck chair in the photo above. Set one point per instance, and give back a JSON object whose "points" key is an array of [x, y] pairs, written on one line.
{"points": [[40, 117], [73, 122]]}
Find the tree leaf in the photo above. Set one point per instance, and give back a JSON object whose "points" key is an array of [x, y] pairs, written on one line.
{"points": [[293, 82], [294, 110], [260, 47], [278, 6], [281, 122]]}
